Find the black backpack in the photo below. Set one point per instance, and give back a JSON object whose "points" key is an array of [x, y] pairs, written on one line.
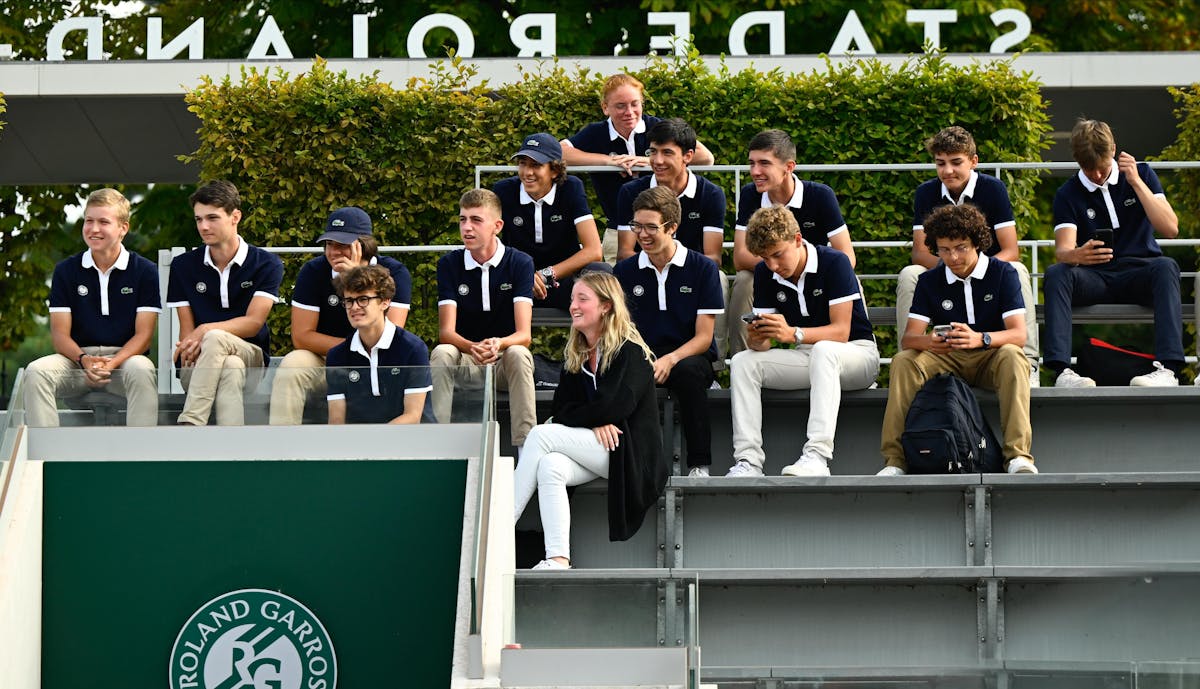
{"points": [[945, 432]]}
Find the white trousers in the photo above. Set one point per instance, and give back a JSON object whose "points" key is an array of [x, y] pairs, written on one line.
{"points": [[54, 376], [554, 457], [824, 367]]}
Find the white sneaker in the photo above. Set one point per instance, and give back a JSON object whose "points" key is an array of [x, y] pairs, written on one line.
{"points": [[1071, 379], [1035, 376], [1020, 465], [1160, 377], [698, 472], [891, 471], [743, 469], [551, 564], [808, 465]]}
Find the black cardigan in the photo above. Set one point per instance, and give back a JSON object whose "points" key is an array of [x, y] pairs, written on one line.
{"points": [[625, 397]]}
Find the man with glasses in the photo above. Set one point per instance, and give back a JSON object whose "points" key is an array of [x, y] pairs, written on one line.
{"points": [[318, 320], [974, 303], [380, 374], [674, 296]]}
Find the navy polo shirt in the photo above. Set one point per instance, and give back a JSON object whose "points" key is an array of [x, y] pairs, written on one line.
{"points": [[702, 203], [1089, 207], [813, 204], [664, 306], [983, 300], [104, 306], [314, 292], [985, 192], [826, 279], [602, 137], [544, 229], [485, 294], [219, 296], [374, 383]]}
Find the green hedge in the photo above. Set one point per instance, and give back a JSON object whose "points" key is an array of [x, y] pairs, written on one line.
{"points": [[299, 146]]}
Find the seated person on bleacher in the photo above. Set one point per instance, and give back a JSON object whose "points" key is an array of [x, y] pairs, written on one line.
{"points": [[222, 294], [702, 218], [1126, 197], [318, 320], [485, 313], [814, 205], [958, 182], [807, 298], [380, 374], [674, 296], [546, 215], [104, 305], [979, 296]]}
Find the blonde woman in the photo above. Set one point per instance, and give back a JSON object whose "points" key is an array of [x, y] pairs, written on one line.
{"points": [[604, 425]]}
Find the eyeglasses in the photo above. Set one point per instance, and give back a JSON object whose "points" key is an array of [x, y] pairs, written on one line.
{"points": [[360, 302], [959, 250], [644, 228]]}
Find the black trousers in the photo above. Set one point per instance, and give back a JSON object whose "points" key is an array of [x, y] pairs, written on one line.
{"points": [[689, 382]]}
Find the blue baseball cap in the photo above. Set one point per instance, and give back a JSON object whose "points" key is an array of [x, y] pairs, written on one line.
{"points": [[540, 147], [346, 225]]}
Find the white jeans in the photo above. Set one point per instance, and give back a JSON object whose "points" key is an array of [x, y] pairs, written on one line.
{"points": [[554, 457], [825, 367], [906, 285]]}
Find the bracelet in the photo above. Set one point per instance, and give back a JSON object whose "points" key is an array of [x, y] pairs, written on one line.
{"points": [[80, 359]]}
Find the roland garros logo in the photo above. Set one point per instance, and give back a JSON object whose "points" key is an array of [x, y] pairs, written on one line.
{"points": [[253, 639]]}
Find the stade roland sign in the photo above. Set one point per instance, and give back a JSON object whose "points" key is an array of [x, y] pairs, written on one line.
{"points": [[535, 34], [253, 638]]}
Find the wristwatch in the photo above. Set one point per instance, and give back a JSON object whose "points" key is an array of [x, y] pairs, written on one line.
{"points": [[987, 341], [548, 275], [799, 334]]}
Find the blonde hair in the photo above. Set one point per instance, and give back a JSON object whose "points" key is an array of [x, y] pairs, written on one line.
{"points": [[615, 326], [110, 198]]}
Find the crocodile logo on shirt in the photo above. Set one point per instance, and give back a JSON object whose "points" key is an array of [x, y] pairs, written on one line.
{"points": [[247, 284], [1130, 201], [808, 224], [505, 286], [556, 218], [987, 297], [694, 215], [126, 290], [684, 289]]}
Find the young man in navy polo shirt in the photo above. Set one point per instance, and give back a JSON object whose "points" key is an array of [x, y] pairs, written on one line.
{"points": [[808, 299], [955, 155], [485, 310], [318, 320], [814, 205], [674, 296], [1123, 196], [980, 298], [104, 305], [380, 374], [546, 215], [702, 220], [222, 294]]}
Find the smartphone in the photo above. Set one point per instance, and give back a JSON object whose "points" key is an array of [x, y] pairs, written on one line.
{"points": [[750, 317], [1105, 235], [941, 331]]}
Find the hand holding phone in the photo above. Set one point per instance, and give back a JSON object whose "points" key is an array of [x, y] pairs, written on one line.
{"points": [[941, 331], [1105, 236], [749, 318]]}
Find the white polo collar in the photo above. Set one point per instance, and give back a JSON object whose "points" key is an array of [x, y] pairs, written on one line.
{"points": [[385, 340], [810, 267], [677, 259], [470, 263], [1113, 175], [981, 267], [689, 189], [613, 135], [239, 257], [967, 193], [121, 263], [525, 198], [796, 201]]}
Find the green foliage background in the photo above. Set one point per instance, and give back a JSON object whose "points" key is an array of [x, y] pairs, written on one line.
{"points": [[299, 146]]}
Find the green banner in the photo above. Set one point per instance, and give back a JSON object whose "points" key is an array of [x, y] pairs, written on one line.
{"points": [[280, 574]]}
